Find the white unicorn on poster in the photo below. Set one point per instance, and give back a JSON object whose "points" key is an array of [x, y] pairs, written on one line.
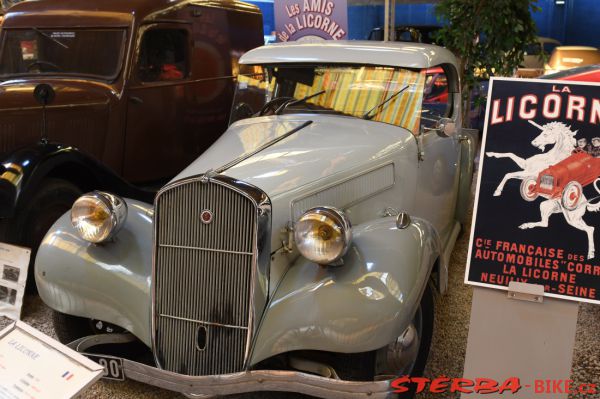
{"points": [[563, 139], [556, 133], [573, 217]]}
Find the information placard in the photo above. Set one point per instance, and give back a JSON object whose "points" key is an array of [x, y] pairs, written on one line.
{"points": [[33, 365], [14, 262], [538, 194]]}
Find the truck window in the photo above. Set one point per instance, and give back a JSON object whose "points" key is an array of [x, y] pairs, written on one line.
{"points": [[163, 55], [95, 53]]}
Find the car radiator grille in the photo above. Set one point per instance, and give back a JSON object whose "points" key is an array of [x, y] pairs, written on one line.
{"points": [[547, 182], [202, 278]]}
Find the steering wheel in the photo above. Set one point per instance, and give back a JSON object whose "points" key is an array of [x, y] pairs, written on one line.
{"points": [[273, 105], [241, 111], [39, 63]]}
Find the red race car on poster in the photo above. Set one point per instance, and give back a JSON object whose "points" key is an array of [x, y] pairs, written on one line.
{"points": [[566, 180]]}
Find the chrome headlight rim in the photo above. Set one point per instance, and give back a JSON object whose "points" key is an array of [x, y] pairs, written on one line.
{"points": [[339, 219], [114, 206]]}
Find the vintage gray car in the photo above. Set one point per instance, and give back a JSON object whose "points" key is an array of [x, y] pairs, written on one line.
{"points": [[296, 253]]}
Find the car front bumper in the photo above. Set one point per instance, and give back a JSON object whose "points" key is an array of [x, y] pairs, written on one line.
{"points": [[229, 384], [256, 380]]}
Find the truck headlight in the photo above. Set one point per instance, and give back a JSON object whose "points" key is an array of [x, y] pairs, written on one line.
{"points": [[323, 234], [98, 216]]}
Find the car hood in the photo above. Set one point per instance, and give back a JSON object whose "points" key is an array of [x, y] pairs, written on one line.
{"points": [[18, 93], [320, 147], [77, 116]]}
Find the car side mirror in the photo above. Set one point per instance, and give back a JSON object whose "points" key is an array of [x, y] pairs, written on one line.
{"points": [[446, 127]]}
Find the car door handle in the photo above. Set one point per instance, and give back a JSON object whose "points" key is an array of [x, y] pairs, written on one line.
{"points": [[136, 100]]}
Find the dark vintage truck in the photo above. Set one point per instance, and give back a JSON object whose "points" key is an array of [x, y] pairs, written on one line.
{"points": [[110, 95]]}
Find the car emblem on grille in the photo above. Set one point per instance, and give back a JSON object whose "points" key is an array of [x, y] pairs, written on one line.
{"points": [[206, 216]]}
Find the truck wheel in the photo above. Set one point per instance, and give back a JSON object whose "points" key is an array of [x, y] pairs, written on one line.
{"points": [[52, 200], [528, 192], [571, 195]]}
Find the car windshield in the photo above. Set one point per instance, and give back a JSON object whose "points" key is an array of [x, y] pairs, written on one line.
{"points": [[89, 52], [383, 94]]}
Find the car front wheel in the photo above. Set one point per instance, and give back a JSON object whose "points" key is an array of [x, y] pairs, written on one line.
{"points": [[423, 330], [69, 328], [405, 356], [571, 195], [528, 189]]}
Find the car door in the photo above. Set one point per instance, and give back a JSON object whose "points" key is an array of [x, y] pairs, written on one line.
{"points": [[438, 169], [154, 144]]}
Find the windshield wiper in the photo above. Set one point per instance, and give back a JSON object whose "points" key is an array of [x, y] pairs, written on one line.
{"points": [[296, 102], [50, 37], [368, 115]]}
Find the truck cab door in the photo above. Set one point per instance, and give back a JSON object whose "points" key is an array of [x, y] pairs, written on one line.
{"points": [[155, 143]]}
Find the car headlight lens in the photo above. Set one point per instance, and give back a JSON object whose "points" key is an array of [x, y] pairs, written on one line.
{"points": [[323, 235], [98, 216]]}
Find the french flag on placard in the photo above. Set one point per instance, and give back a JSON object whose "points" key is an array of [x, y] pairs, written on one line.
{"points": [[67, 375]]}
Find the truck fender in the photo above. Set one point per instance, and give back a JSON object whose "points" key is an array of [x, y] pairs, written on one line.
{"points": [[22, 171], [109, 282], [360, 306]]}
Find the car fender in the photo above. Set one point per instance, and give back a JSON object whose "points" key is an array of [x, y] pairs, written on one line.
{"points": [[359, 306], [22, 172], [110, 281]]}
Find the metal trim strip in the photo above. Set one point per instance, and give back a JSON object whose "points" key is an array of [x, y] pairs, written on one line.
{"points": [[205, 249], [208, 323], [262, 147]]}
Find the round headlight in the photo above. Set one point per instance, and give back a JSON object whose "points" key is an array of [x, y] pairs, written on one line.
{"points": [[98, 216], [323, 234]]}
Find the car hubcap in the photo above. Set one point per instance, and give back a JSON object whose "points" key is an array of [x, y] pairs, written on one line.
{"points": [[573, 196], [402, 354]]}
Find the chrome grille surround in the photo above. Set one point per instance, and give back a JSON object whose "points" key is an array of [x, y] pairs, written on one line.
{"points": [[208, 267]]}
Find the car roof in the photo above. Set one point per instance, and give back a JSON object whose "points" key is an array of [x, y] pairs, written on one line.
{"points": [[542, 39], [575, 48], [398, 54]]}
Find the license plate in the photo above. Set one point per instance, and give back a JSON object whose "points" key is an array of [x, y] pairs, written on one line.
{"points": [[113, 366]]}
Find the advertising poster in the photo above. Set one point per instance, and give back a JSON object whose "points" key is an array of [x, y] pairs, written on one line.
{"points": [[310, 19], [537, 207]]}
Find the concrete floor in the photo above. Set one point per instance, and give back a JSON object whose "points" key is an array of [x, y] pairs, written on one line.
{"points": [[447, 353]]}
